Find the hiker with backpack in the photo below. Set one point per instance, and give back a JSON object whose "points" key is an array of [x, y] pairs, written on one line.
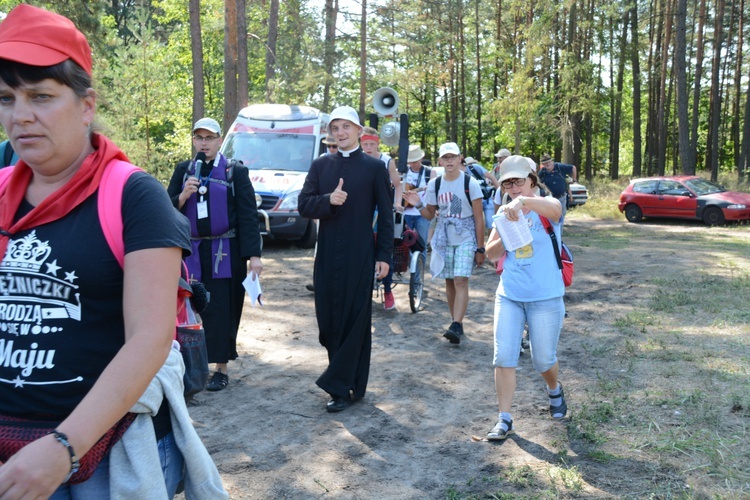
{"points": [[416, 179], [488, 183], [91, 371], [555, 175], [455, 198], [216, 195]]}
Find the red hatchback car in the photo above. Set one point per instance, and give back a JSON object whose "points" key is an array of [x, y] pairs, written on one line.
{"points": [[683, 197]]}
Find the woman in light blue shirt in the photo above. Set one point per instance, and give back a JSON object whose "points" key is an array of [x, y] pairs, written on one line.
{"points": [[530, 292]]}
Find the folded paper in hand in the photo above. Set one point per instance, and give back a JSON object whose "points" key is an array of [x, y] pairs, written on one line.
{"points": [[252, 287], [514, 234]]}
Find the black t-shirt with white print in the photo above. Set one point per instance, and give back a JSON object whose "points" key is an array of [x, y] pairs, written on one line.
{"points": [[61, 315]]}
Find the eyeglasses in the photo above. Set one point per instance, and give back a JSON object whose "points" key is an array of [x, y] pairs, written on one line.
{"points": [[509, 182], [333, 146], [200, 138]]}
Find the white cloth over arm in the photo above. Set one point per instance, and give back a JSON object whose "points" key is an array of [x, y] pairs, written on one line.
{"points": [[135, 468]]}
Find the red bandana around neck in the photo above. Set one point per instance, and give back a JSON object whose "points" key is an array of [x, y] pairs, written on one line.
{"points": [[55, 206]]}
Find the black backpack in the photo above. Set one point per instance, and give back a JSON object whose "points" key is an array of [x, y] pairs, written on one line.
{"points": [[486, 187], [466, 187]]}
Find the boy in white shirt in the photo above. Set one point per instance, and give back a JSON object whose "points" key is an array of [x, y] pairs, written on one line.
{"points": [[458, 242]]}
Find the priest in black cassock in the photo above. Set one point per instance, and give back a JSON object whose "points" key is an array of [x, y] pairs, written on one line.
{"points": [[343, 190]]}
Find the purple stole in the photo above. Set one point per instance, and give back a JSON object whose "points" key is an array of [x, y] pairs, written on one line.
{"points": [[218, 216]]}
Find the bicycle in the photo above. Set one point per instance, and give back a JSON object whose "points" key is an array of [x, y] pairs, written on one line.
{"points": [[408, 262]]}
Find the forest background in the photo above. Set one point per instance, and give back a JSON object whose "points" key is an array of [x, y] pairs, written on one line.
{"points": [[618, 88]]}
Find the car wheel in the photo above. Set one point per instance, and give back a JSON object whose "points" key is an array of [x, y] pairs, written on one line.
{"points": [[713, 216], [633, 213], [310, 237]]}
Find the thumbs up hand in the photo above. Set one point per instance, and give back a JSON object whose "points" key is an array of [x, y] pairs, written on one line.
{"points": [[338, 197]]}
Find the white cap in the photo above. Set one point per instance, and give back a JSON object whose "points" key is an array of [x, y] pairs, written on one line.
{"points": [[469, 160], [347, 113], [449, 148], [514, 167], [532, 163], [502, 153], [207, 124]]}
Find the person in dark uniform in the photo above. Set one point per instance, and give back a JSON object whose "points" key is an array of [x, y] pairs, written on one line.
{"points": [[218, 199], [342, 190], [553, 175]]}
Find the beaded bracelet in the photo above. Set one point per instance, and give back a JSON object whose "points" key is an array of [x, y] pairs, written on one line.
{"points": [[74, 463]]}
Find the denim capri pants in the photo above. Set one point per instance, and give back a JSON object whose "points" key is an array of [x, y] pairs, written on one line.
{"points": [[545, 320]]}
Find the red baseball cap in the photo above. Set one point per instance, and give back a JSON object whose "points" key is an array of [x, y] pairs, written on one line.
{"points": [[37, 37]]}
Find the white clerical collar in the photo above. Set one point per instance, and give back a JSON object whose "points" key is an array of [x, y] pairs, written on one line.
{"points": [[348, 153], [214, 162]]}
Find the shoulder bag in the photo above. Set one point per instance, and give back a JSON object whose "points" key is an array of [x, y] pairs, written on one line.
{"points": [[564, 261]]}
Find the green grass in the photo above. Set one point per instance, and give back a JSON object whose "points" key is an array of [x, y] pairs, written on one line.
{"points": [[683, 398]]}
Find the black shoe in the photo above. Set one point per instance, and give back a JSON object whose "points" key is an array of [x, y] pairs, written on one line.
{"points": [[454, 333], [559, 411], [525, 341], [218, 382], [310, 287], [338, 403]]}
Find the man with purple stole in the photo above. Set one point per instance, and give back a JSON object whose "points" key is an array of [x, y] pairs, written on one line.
{"points": [[216, 195]]}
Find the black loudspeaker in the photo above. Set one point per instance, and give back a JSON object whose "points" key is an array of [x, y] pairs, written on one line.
{"points": [[403, 144]]}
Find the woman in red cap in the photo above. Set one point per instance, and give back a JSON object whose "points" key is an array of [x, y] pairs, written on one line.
{"points": [[82, 336]]}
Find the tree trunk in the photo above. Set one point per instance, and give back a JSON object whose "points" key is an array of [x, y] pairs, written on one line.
{"points": [[273, 35], [479, 80], [363, 60], [568, 128], [745, 154], [634, 54], [615, 137], [664, 104], [452, 71], [613, 95], [461, 63], [715, 104], [497, 78], [243, 86], [687, 158], [695, 118], [329, 50], [736, 105], [655, 35], [230, 62], [196, 49]]}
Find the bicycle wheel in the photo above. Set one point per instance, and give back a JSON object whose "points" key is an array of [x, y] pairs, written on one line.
{"points": [[416, 286]]}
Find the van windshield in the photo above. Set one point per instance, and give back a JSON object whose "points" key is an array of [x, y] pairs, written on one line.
{"points": [[271, 151]]}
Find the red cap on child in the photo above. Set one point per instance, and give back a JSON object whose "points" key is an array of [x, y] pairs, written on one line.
{"points": [[37, 37]]}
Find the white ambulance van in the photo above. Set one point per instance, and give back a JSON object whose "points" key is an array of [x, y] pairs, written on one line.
{"points": [[277, 143]]}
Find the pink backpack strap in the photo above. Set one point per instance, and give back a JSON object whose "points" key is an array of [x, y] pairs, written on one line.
{"points": [[116, 174], [109, 205]]}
